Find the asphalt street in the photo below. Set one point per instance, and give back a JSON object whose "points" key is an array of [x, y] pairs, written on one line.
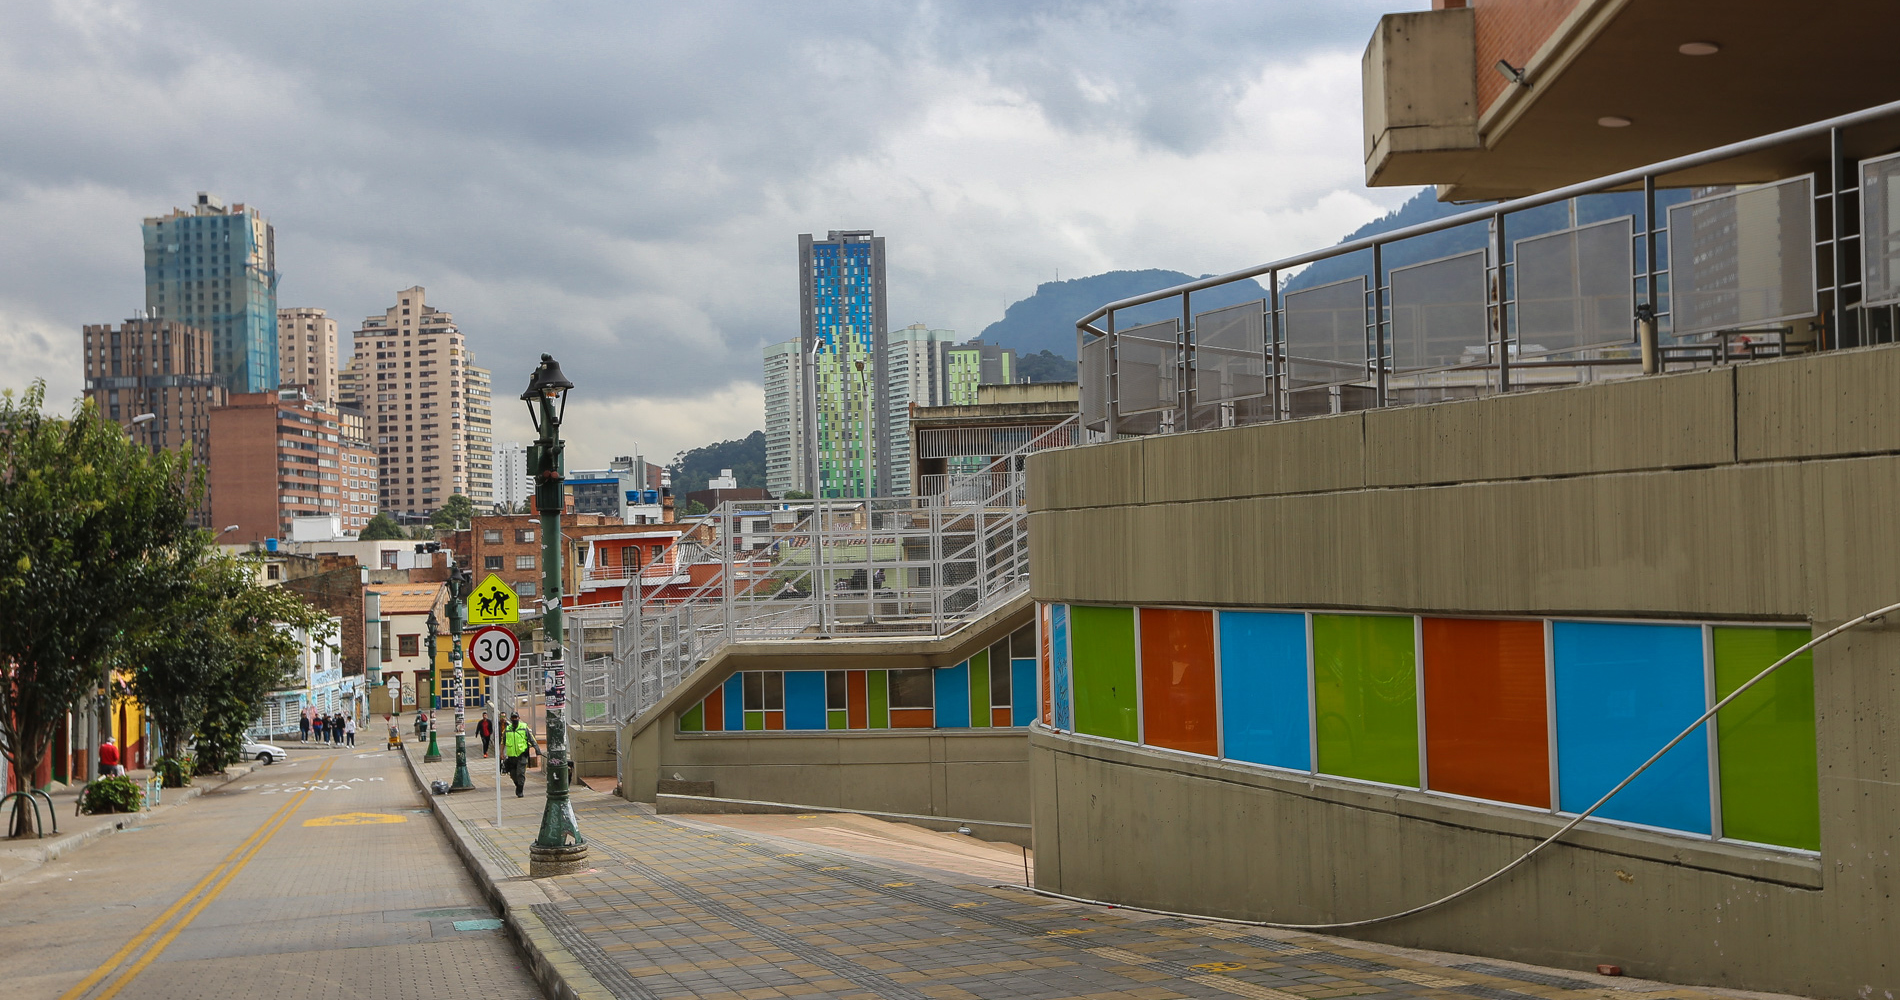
{"points": [[321, 877]]}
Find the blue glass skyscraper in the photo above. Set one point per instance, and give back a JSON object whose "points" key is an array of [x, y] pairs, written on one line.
{"points": [[215, 269], [844, 327]]}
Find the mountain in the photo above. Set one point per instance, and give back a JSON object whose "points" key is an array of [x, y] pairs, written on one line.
{"points": [[1045, 321], [744, 456]]}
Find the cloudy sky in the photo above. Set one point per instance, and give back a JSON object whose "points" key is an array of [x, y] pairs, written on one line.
{"points": [[622, 184]]}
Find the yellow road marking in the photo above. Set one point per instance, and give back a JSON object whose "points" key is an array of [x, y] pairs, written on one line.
{"points": [[355, 819], [105, 969]]}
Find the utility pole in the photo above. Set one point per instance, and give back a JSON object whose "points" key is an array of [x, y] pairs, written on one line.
{"points": [[458, 594], [559, 849]]}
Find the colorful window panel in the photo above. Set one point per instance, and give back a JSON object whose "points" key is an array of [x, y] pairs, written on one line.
{"points": [[1365, 697], [1177, 681], [978, 696], [1102, 651], [1265, 715], [1487, 721], [1765, 740]]}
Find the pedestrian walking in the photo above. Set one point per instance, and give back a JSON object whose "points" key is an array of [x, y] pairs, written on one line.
{"points": [[322, 723], [516, 744], [349, 730], [303, 726], [486, 730], [109, 759], [336, 729]]}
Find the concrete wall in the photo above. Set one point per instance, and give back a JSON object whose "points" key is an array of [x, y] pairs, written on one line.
{"points": [[979, 774], [1756, 492]]}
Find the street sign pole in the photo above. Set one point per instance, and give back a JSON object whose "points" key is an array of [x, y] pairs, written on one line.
{"points": [[495, 652]]}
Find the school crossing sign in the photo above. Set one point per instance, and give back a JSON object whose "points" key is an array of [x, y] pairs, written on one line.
{"points": [[493, 603]]}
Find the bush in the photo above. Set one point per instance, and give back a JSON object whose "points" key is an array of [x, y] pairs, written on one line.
{"points": [[175, 772], [117, 794]]}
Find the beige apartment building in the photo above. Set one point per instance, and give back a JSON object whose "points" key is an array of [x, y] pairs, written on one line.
{"points": [[411, 376], [306, 353]]}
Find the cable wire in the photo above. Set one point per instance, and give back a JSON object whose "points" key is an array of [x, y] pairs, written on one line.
{"points": [[1870, 616]]}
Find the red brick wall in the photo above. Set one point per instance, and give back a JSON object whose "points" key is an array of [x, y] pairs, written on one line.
{"points": [[1511, 30], [243, 468]]}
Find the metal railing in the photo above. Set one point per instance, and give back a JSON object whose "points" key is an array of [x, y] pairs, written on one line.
{"points": [[896, 566], [1634, 278]]}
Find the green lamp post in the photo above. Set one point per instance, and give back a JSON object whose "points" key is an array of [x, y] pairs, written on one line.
{"points": [[458, 595], [434, 753], [559, 848]]}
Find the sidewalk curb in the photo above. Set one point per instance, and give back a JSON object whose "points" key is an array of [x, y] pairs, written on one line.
{"points": [[52, 850], [557, 969]]}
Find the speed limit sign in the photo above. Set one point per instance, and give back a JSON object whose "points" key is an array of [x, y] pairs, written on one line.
{"points": [[493, 650]]}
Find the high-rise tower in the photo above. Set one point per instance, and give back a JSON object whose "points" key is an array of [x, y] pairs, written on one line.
{"points": [[784, 419], [843, 327], [426, 406], [306, 353], [215, 269]]}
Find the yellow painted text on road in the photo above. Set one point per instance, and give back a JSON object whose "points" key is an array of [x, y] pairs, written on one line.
{"points": [[355, 819]]}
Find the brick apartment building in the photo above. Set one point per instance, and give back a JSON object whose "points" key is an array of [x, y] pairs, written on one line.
{"points": [[509, 545], [155, 366], [279, 455]]}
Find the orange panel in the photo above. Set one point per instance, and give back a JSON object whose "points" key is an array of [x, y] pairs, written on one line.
{"points": [[716, 710], [1487, 733], [1177, 680], [1043, 660], [913, 718], [775, 720], [857, 711], [1000, 717]]}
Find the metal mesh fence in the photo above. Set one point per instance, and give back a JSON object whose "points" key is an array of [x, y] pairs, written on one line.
{"points": [[1743, 259], [1439, 313], [1326, 333], [1575, 289]]}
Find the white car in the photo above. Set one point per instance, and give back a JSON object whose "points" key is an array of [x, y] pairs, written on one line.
{"points": [[264, 753]]}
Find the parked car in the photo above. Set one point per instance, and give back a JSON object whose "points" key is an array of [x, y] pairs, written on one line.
{"points": [[264, 753]]}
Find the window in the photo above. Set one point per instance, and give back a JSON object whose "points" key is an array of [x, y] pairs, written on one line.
{"points": [[913, 689], [491, 536], [410, 646], [525, 588], [273, 572], [491, 563], [524, 562], [524, 536]]}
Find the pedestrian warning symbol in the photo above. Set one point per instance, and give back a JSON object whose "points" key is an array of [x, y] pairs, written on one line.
{"points": [[355, 819], [493, 603]]}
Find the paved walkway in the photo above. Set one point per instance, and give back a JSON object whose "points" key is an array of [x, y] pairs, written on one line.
{"points": [[676, 907], [321, 877]]}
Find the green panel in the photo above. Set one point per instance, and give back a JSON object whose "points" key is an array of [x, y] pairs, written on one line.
{"points": [[1103, 641], [980, 690], [694, 721], [755, 720], [876, 685], [836, 718], [1365, 697], [1765, 742]]}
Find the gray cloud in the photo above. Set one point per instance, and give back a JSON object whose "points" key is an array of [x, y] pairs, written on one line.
{"points": [[621, 184]]}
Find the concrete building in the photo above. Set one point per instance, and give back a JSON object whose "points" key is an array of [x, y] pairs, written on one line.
{"points": [[405, 610], [509, 545], [425, 404], [844, 327], [160, 367], [307, 353], [915, 368], [512, 487], [967, 366], [280, 455], [215, 269], [954, 444], [784, 418], [630, 490]]}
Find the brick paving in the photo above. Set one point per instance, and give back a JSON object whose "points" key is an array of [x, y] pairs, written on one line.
{"points": [[676, 908]]}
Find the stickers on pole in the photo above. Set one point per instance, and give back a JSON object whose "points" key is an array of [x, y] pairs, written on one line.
{"points": [[494, 650], [493, 603]]}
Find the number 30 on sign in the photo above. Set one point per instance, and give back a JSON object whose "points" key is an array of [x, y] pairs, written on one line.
{"points": [[493, 650]]}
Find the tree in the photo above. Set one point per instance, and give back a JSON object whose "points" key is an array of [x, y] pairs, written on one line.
{"points": [[203, 664], [380, 527], [796, 495], [97, 531], [454, 513], [693, 509]]}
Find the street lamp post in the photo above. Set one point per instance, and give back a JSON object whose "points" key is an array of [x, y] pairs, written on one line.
{"points": [[458, 594], [559, 848], [434, 753]]}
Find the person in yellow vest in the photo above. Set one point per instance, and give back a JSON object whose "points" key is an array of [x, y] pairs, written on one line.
{"points": [[516, 744]]}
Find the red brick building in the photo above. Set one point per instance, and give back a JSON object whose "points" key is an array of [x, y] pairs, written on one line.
{"points": [[279, 455]]}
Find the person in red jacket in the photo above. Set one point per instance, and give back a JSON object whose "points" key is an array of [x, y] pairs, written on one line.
{"points": [[486, 730], [109, 759]]}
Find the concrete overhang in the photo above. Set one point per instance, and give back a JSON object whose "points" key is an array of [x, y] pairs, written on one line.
{"points": [[1777, 67]]}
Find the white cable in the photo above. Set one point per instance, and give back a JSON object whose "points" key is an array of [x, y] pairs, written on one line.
{"points": [[1527, 855]]}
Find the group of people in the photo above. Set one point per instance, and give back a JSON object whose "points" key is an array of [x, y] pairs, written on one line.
{"points": [[335, 730]]}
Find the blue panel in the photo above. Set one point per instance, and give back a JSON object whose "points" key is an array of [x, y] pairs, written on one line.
{"points": [[804, 699], [735, 704], [1264, 715], [1622, 692], [953, 696], [1059, 667], [1022, 691]]}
